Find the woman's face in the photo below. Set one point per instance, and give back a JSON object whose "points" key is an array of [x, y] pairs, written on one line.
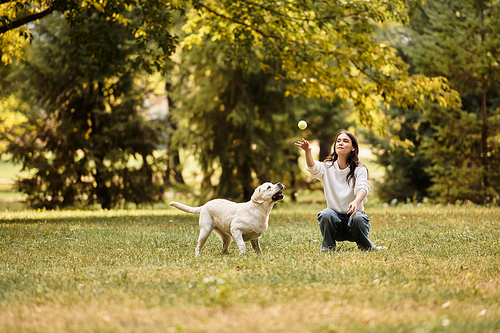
{"points": [[343, 145]]}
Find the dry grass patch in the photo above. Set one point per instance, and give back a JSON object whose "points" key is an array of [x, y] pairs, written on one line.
{"points": [[291, 317], [124, 271]]}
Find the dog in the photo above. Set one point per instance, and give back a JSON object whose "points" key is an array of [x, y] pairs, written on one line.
{"points": [[242, 222]]}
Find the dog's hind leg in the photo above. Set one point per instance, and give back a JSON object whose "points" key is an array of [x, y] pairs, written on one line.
{"points": [[255, 245], [206, 226], [204, 233], [226, 240]]}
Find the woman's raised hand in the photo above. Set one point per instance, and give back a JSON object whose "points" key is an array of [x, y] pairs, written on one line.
{"points": [[304, 144]]}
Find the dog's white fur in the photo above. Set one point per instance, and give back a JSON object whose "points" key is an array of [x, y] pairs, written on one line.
{"points": [[241, 221]]}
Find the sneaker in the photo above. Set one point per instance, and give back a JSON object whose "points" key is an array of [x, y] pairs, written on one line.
{"points": [[327, 249]]}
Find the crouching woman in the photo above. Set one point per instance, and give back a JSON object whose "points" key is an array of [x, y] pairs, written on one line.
{"points": [[346, 185]]}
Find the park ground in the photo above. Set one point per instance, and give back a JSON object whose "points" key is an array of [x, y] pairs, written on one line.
{"points": [[135, 271]]}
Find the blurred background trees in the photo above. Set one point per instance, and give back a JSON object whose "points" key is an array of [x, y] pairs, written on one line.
{"points": [[235, 119], [85, 136], [239, 76], [404, 177], [456, 151]]}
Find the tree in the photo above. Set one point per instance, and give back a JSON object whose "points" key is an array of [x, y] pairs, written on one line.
{"points": [[85, 137], [325, 48], [147, 21], [320, 49], [234, 120], [454, 150], [405, 176], [458, 40]]}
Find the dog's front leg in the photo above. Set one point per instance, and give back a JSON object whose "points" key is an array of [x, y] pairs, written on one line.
{"points": [[256, 245], [238, 238]]}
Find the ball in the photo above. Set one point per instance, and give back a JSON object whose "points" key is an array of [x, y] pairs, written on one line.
{"points": [[302, 124]]}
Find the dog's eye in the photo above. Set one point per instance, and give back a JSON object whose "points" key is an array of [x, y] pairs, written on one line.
{"points": [[269, 187]]}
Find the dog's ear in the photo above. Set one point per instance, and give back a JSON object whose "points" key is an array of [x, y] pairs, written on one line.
{"points": [[256, 196]]}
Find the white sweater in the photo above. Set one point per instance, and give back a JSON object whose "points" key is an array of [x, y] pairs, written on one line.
{"points": [[338, 193]]}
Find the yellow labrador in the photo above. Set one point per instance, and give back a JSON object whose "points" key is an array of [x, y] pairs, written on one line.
{"points": [[242, 221]]}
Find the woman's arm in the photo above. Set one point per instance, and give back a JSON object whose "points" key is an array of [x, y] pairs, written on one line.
{"points": [[361, 189], [306, 146], [353, 206]]}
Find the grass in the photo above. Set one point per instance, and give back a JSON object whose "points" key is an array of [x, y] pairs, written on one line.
{"points": [[127, 271], [135, 270]]}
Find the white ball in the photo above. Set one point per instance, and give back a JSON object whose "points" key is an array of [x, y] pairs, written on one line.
{"points": [[302, 124]]}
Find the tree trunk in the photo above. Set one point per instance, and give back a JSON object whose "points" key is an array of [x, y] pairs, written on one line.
{"points": [[484, 129], [246, 176], [227, 185], [484, 141], [174, 161], [102, 192], [293, 180], [177, 163], [173, 166], [325, 148]]}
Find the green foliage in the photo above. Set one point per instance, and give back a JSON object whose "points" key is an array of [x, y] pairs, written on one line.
{"points": [[238, 123], [405, 176], [325, 48], [135, 270], [14, 37], [442, 161], [85, 137], [458, 40], [147, 21], [235, 120], [454, 150], [318, 49]]}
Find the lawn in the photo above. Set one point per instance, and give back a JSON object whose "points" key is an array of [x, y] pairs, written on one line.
{"points": [[128, 271]]}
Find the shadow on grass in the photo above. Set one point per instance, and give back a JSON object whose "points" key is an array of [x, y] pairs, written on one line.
{"points": [[105, 218]]}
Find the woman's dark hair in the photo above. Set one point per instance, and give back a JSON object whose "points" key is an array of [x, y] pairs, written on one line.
{"points": [[352, 158]]}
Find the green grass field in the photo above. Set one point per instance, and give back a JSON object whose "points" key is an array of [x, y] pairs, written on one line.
{"points": [[129, 271]]}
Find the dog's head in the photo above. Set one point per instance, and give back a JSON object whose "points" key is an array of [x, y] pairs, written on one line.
{"points": [[268, 192]]}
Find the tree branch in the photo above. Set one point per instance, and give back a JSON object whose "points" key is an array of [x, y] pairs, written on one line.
{"points": [[25, 20], [335, 54], [235, 21]]}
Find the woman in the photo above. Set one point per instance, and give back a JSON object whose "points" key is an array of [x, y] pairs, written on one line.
{"points": [[346, 185]]}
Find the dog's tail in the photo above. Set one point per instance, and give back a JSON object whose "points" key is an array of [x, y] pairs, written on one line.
{"points": [[186, 208]]}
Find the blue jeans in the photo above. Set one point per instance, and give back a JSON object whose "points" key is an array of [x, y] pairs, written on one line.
{"points": [[341, 227]]}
